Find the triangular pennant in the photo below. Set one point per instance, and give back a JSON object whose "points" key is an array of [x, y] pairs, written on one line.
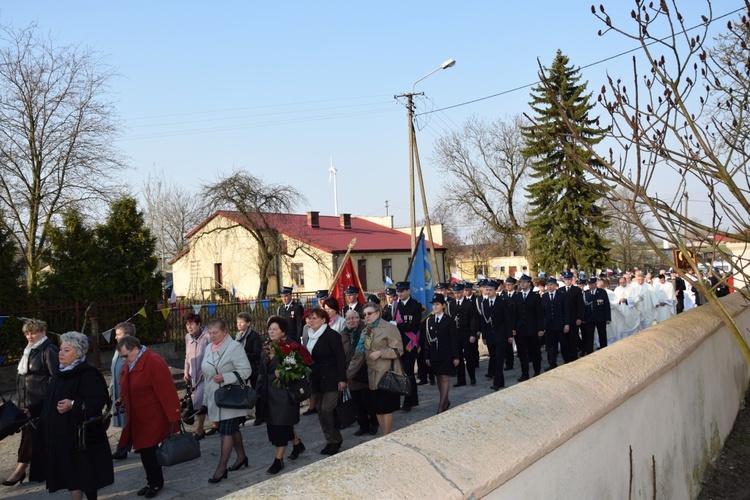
{"points": [[265, 304], [315, 302], [2, 358], [303, 300], [107, 335], [211, 309], [165, 312], [252, 305], [142, 312], [197, 308], [2, 320]]}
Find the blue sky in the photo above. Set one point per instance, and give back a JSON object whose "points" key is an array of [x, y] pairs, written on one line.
{"points": [[277, 87]]}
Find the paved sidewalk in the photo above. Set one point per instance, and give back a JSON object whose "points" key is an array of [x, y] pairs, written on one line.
{"points": [[190, 479]]}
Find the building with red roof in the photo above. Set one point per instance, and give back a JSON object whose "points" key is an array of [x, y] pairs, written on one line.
{"points": [[223, 253]]}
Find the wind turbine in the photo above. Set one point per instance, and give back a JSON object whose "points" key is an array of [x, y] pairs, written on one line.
{"points": [[332, 173]]}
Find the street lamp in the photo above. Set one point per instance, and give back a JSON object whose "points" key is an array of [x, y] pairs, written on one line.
{"points": [[414, 155]]}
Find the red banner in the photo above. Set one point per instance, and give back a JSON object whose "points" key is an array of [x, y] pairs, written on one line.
{"points": [[348, 278]]}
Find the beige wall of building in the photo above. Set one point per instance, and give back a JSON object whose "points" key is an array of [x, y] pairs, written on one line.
{"points": [[498, 267]]}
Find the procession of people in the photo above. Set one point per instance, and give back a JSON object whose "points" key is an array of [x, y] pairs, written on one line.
{"points": [[351, 352]]}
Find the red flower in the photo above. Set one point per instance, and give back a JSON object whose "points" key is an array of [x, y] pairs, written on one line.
{"points": [[285, 349]]}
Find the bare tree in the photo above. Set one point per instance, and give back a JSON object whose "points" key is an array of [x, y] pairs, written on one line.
{"points": [[486, 173], [56, 137], [627, 246], [171, 212], [256, 200], [664, 120]]}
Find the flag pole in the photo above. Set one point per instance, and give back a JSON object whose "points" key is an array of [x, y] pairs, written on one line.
{"points": [[413, 254], [342, 264]]}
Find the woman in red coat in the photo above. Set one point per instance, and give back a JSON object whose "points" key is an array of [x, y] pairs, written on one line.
{"points": [[149, 395]]}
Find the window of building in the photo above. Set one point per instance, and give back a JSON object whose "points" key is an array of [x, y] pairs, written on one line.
{"points": [[298, 274], [387, 269]]}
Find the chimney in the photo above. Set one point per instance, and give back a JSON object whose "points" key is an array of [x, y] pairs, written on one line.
{"points": [[345, 221], [313, 219]]}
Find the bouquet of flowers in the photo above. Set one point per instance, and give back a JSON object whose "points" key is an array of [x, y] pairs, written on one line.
{"points": [[294, 362]]}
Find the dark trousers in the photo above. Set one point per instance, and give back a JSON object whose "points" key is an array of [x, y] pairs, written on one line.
{"points": [[509, 356], [680, 303], [529, 348], [366, 417], [552, 338], [24, 448], [498, 351], [588, 337], [408, 360], [468, 361], [154, 476], [326, 403], [569, 345], [424, 372]]}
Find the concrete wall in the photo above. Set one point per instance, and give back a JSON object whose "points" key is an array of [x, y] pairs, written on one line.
{"points": [[671, 392]]}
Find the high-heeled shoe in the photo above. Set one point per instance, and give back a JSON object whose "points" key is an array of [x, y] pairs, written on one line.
{"points": [[13, 483], [239, 465], [276, 466], [214, 480]]}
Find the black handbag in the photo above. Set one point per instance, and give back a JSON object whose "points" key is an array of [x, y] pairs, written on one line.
{"points": [[12, 418], [178, 448], [345, 413], [92, 432], [395, 383], [186, 404], [238, 396], [299, 390]]}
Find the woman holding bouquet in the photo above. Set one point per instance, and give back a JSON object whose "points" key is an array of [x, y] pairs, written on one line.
{"points": [[328, 375], [278, 410], [379, 344]]}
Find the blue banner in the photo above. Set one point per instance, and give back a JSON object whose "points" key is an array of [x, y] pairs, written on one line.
{"points": [[420, 277]]}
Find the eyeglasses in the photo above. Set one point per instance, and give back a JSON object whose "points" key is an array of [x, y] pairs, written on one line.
{"points": [[370, 313], [125, 356]]}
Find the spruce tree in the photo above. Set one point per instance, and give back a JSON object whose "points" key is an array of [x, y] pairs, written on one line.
{"points": [[564, 222]]}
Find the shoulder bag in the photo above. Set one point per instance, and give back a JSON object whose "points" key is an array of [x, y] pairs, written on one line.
{"points": [[178, 448], [396, 383], [345, 413], [299, 390], [239, 396]]}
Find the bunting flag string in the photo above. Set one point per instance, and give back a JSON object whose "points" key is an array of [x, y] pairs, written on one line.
{"points": [[165, 312], [2, 320], [108, 334], [315, 302], [252, 305], [264, 302], [211, 309], [197, 308], [303, 300], [142, 312]]}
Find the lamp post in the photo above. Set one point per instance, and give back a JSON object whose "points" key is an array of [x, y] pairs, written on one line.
{"points": [[414, 158]]}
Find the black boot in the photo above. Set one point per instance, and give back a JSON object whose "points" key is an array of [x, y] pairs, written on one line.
{"points": [[297, 450], [276, 466]]}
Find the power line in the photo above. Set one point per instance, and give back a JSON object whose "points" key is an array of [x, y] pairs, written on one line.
{"points": [[504, 92]]}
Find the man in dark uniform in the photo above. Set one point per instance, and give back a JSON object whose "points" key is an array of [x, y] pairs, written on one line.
{"points": [[529, 327], [679, 291], [390, 296], [466, 329], [320, 296], [352, 304], [507, 295], [292, 311], [408, 319], [598, 316], [574, 297], [556, 322], [496, 328]]}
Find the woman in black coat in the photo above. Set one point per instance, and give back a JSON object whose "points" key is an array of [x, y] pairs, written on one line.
{"points": [[442, 348], [328, 375], [76, 394], [250, 340], [37, 366], [276, 407]]}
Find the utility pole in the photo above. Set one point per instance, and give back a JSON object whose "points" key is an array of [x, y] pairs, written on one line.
{"points": [[386, 208], [414, 154]]}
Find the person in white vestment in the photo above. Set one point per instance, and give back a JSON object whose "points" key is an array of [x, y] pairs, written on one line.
{"points": [[624, 302], [645, 300], [665, 300]]}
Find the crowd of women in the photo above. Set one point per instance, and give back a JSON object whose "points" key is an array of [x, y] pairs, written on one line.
{"points": [[69, 401]]}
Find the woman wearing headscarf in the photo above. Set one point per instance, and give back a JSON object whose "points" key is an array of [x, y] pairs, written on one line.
{"points": [[379, 344], [38, 365], [225, 363], [76, 394], [153, 408]]}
